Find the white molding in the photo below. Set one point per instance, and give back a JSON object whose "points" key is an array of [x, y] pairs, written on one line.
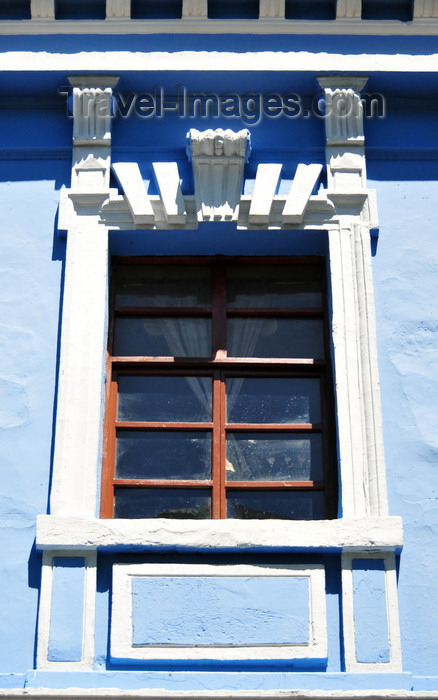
{"points": [[394, 642], [359, 534], [122, 614], [191, 25], [162, 694], [204, 61], [87, 661]]}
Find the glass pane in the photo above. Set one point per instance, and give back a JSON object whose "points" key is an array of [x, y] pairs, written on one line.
{"points": [[275, 337], [163, 337], [163, 285], [162, 503], [273, 457], [159, 398], [282, 505], [274, 286], [273, 400], [163, 455]]}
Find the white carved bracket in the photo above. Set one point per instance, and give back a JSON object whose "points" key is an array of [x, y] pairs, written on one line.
{"points": [[218, 159], [305, 179], [169, 184], [42, 9], [92, 104], [348, 9], [272, 8], [117, 9], [425, 8], [267, 177], [195, 9], [345, 140], [129, 177]]}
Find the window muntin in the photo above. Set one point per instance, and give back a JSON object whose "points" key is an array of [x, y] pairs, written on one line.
{"points": [[198, 435]]}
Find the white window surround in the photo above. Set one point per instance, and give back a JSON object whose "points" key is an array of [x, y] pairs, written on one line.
{"points": [[346, 210]]}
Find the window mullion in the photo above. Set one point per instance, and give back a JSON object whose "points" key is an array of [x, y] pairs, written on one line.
{"points": [[107, 494], [218, 494], [219, 312]]}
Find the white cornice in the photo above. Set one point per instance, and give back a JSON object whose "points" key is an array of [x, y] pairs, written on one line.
{"points": [[189, 25], [200, 61], [159, 694]]}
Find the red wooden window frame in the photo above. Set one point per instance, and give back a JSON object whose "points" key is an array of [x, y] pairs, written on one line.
{"points": [[219, 366]]}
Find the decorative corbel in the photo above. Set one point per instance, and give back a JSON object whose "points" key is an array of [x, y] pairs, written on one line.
{"points": [[195, 9], [425, 9], [118, 9], [42, 9], [348, 9], [272, 9], [218, 159], [345, 141], [92, 113], [345, 148]]}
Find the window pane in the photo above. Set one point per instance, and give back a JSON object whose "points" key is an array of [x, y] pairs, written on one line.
{"points": [[273, 400], [163, 337], [273, 457], [160, 398], [163, 285], [162, 503], [274, 286], [275, 337], [163, 455], [283, 505]]}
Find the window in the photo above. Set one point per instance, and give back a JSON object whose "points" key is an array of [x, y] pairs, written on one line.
{"points": [[219, 403]]}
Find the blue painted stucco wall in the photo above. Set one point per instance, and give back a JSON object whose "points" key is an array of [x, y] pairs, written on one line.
{"points": [[35, 153]]}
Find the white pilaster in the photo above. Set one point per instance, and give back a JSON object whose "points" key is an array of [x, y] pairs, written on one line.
{"points": [[81, 381], [362, 467], [84, 323]]}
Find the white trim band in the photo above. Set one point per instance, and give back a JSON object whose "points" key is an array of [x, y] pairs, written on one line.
{"points": [[344, 534]]}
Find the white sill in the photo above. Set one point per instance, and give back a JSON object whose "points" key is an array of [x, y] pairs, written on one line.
{"points": [[67, 532]]}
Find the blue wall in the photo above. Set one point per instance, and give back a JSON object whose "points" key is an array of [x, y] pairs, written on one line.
{"points": [[34, 164], [29, 302], [406, 289]]}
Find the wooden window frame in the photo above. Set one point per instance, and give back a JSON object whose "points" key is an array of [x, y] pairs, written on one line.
{"points": [[219, 366]]}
